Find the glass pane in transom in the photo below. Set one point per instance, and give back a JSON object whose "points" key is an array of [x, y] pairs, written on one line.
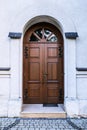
{"points": [[43, 35]]}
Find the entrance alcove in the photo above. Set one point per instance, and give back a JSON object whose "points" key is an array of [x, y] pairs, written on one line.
{"points": [[69, 59], [58, 25], [43, 67]]}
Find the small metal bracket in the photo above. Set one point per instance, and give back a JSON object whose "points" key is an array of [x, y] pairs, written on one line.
{"points": [[81, 69], [71, 35], [14, 35], [4, 69]]}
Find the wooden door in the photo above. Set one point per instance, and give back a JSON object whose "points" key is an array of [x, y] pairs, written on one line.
{"points": [[51, 73], [43, 70], [33, 73]]}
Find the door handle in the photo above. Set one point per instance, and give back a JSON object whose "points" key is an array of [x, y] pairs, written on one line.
{"points": [[45, 74], [45, 77]]}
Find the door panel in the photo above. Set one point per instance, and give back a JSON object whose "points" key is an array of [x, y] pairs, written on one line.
{"points": [[52, 71], [34, 70], [52, 52]]}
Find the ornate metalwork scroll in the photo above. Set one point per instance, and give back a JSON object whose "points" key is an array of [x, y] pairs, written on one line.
{"points": [[26, 52]]}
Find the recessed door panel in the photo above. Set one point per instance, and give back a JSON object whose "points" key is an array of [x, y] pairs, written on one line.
{"points": [[34, 71]]}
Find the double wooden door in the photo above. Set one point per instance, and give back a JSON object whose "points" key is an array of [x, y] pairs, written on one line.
{"points": [[43, 65], [43, 72]]}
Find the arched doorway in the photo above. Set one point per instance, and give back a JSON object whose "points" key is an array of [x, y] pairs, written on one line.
{"points": [[43, 79]]}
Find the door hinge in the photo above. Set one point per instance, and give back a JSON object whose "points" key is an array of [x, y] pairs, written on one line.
{"points": [[60, 93], [26, 52], [25, 93], [60, 52]]}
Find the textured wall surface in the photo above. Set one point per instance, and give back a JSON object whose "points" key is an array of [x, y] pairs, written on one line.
{"points": [[72, 16]]}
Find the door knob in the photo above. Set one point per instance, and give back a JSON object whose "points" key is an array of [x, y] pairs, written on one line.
{"points": [[45, 77], [45, 74]]}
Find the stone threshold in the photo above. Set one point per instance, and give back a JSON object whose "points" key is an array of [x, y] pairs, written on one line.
{"points": [[38, 111], [43, 115]]}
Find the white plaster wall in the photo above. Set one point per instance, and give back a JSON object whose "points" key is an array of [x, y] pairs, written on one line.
{"points": [[73, 17], [82, 93], [4, 94], [10, 15], [82, 86], [15, 68]]}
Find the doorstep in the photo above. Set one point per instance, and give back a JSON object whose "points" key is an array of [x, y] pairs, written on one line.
{"points": [[38, 111]]}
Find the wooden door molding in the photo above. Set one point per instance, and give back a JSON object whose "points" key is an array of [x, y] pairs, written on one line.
{"points": [[43, 65]]}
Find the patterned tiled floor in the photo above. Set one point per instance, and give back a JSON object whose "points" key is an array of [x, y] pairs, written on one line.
{"points": [[42, 124]]}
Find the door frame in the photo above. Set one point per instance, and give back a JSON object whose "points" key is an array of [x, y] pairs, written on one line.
{"points": [[60, 40]]}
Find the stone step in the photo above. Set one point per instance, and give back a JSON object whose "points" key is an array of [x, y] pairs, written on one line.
{"points": [[43, 115]]}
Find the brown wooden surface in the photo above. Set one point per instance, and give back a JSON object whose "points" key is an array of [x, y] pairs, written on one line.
{"points": [[42, 69]]}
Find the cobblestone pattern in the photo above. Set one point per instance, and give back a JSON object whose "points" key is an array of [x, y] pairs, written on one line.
{"points": [[4, 122], [42, 124], [81, 123]]}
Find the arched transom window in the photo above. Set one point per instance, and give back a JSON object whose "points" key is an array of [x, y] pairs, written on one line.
{"points": [[43, 35]]}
